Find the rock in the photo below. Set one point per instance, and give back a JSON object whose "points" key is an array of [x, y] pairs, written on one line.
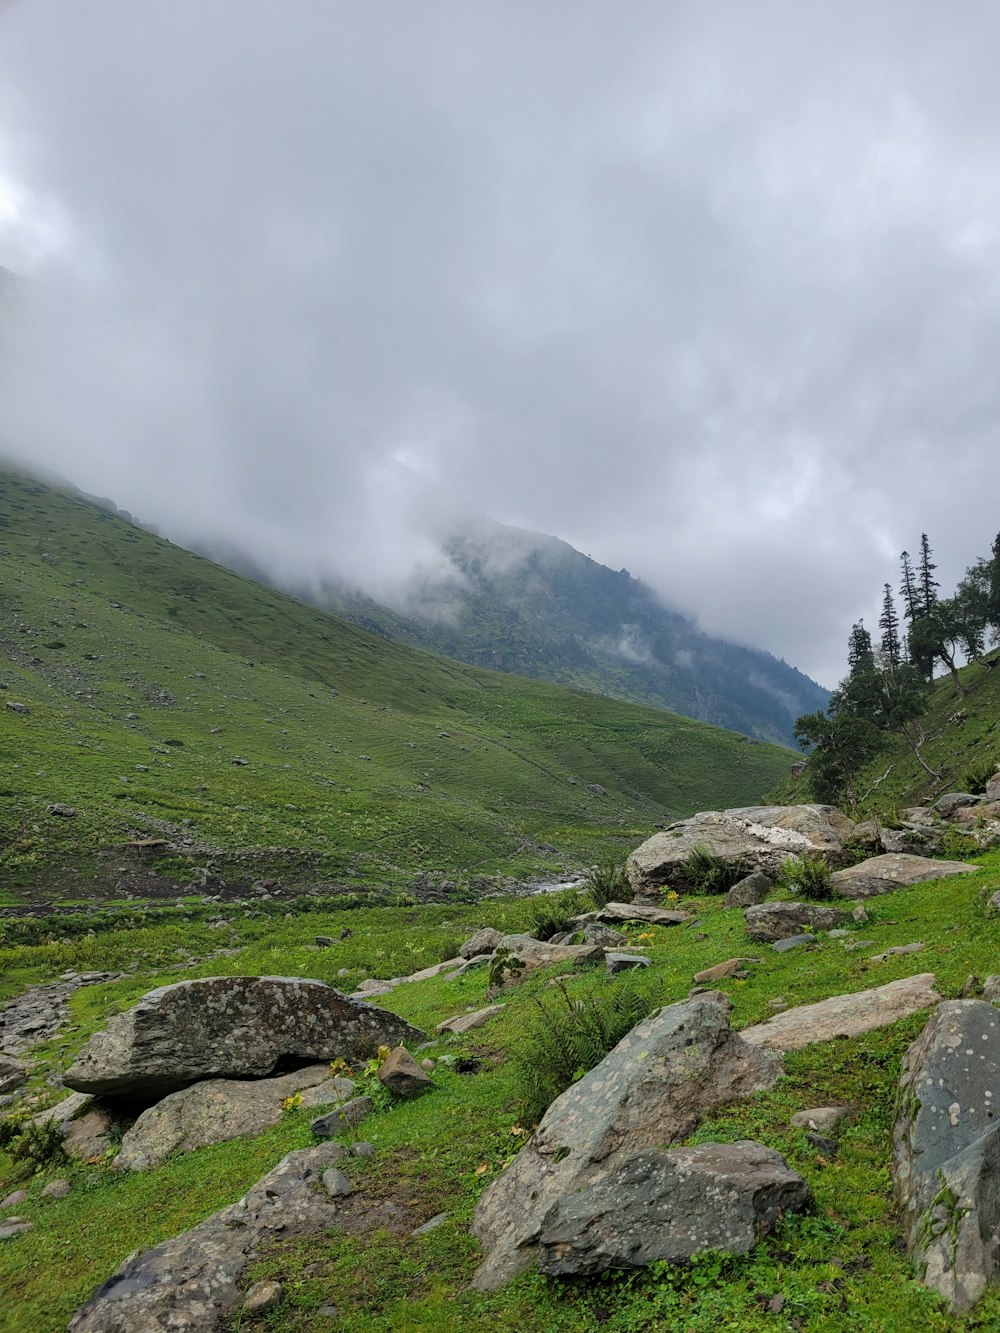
{"points": [[401, 1074], [649, 1092], [603, 936], [220, 1109], [484, 941], [14, 1226], [991, 989], [191, 1281], [65, 1111], [534, 953], [793, 942], [844, 1015], [362, 1149], [896, 951], [12, 1200], [618, 913], [336, 1183], [822, 1144], [993, 904], [228, 1027], [432, 1225], [466, 1022], [867, 836], [60, 811], [756, 837], [322, 942], [955, 800], [894, 870], [17, 708], [821, 1118], [12, 1073], [768, 922], [750, 890], [89, 1136], [716, 996], [344, 1117], [946, 1151], [56, 1189], [730, 968], [670, 1205], [624, 962], [262, 1296], [992, 792]]}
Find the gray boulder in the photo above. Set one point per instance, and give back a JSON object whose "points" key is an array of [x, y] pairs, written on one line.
{"points": [[768, 922], [604, 936], [220, 1109], [12, 1073], [347, 1116], [894, 870], [756, 837], [993, 788], [466, 1022], [669, 1205], [952, 801], [991, 989], [484, 941], [228, 1027], [401, 1074], [750, 891], [624, 962], [612, 914], [650, 1091], [844, 1015], [946, 1151], [190, 1283]]}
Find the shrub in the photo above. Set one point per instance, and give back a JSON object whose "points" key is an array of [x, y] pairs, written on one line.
{"points": [[810, 877], [709, 873], [974, 779], [567, 1035], [608, 883], [551, 913], [958, 846], [25, 1141]]}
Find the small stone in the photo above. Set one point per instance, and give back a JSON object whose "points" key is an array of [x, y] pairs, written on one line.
{"points": [[362, 1149], [431, 1225], [61, 811], [265, 1295], [731, 967], [56, 1189], [464, 1022], [852, 945], [793, 942], [324, 941], [896, 950], [596, 933], [344, 1117], [820, 1118], [14, 1226], [822, 1144], [12, 1200], [401, 1074], [749, 891], [336, 1183], [776, 1304], [970, 988], [991, 989], [623, 962]]}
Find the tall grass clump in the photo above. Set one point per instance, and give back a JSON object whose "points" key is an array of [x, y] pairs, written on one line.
{"points": [[708, 873], [812, 878], [608, 883], [551, 913], [974, 779], [567, 1035]]}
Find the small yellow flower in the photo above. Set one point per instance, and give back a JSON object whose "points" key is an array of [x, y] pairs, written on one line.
{"points": [[383, 1053], [482, 1168], [291, 1103]]}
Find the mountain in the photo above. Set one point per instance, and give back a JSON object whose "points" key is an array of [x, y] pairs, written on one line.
{"points": [[530, 604], [197, 722]]}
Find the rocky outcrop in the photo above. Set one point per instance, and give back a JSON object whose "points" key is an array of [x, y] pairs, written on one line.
{"points": [[228, 1027], [768, 922], [650, 1091], [220, 1109], [190, 1283], [532, 953], [754, 837], [484, 941], [616, 914], [669, 1205], [946, 1151], [894, 870], [844, 1015]]}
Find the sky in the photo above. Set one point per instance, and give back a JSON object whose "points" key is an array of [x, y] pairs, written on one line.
{"points": [[709, 290]]}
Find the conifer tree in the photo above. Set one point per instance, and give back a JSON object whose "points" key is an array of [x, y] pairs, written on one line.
{"points": [[889, 625], [860, 655], [928, 583]]}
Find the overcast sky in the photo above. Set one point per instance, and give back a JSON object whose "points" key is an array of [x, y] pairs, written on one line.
{"points": [[709, 290]]}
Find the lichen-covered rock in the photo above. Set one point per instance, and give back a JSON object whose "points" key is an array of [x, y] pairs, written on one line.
{"points": [[650, 1091], [228, 1027], [844, 1015], [484, 941], [670, 1204], [618, 913], [894, 870], [768, 922], [946, 1151], [756, 837], [190, 1283], [751, 890]]}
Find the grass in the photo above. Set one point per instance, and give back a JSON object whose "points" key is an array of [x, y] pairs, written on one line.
{"points": [[837, 1268], [201, 724]]}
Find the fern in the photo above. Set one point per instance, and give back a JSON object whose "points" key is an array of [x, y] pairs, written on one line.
{"points": [[811, 877], [608, 883], [708, 873]]}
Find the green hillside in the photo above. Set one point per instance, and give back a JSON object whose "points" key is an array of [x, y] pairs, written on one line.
{"points": [[173, 701]]}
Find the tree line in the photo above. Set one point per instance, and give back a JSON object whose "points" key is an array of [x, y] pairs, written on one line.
{"points": [[887, 685]]}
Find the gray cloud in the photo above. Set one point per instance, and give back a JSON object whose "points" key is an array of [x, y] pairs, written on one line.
{"points": [[710, 291]]}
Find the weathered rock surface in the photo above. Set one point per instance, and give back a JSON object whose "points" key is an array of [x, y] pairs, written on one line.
{"points": [[348, 1115], [466, 1022], [612, 914], [90, 1135], [730, 968], [750, 890], [821, 1118], [946, 1151], [12, 1073], [768, 922], [844, 1015], [35, 1014], [228, 1027], [991, 989], [670, 1204], [952, 801], [757, 837], [220, 1109], [894, 870], [191, 1282], [624, 962], [374, 986], [401, 1074], [534, 953], [484, 941], [650, 1091], [603, 936]]}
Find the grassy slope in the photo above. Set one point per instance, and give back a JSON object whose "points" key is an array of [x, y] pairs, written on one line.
{"points": [[837, 1269], [961, 734], [383, 759]]}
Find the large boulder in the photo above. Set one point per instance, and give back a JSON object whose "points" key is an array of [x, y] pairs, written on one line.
{"points": [[228, 1027], [649, 1092], [12, 1073], [191, 1282], [757, 837], [894, 870], [220, 1109], [844, 1015], [484, 941], [768, 922], [946, 1151], [670, 1205], [616, 914]]}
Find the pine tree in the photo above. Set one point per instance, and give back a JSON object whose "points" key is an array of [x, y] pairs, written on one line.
{"points": [[860, 655], [889, 625], [908, 589], [928, 584]]}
